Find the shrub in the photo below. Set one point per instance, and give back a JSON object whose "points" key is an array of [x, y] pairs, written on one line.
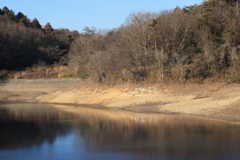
{"points": [[69, 74], [81, 72]]}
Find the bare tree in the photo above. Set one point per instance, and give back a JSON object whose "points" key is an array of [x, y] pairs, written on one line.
{"points": [[161, 58]]}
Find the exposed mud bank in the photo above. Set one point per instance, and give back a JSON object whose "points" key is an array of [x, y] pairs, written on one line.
{"points": [[217, 101], [207, 100], [29, 89], [36, 85]]}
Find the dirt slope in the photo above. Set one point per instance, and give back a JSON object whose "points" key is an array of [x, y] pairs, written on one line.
{"points": [[207, 100]]}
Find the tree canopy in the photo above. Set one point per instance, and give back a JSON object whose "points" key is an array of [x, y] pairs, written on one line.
{"points": [[194, 43]]}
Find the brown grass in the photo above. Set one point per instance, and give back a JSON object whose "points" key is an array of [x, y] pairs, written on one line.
{"points": [[37, 72]]}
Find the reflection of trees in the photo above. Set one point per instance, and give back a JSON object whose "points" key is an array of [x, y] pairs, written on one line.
{"points": [[170, 135], [23, 129], [27, 134], [122, 132]]}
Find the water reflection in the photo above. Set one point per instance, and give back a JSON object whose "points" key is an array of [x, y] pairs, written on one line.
{"points": [[99, 134], [152, 134], [21, 125]]}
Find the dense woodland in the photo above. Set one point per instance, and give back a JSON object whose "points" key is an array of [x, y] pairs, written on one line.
{"points": [[24, 43], [191, 44]]}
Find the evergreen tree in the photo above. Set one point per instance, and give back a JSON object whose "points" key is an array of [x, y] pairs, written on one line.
{"points": [[207, 10], [191, 9], [35, 24], [48, 29], [5, 9], [24, 21], [19, 15], [10, 15]]}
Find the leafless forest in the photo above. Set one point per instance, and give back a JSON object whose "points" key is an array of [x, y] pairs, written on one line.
{"points": [[191, 44]]}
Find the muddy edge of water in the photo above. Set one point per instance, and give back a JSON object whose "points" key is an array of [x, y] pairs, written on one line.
{"points": [[221, 102]]}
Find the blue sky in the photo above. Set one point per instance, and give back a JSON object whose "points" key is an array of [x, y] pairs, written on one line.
{"points": [[77, 14]]}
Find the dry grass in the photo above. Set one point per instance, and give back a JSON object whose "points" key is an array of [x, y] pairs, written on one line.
{"points": [[38, 72], [68, 74]]}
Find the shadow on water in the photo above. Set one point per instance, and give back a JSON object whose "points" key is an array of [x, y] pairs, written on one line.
{"points": [[22, 126], [148, 136]]}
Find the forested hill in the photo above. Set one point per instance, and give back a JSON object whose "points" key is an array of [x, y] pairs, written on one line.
{"points": [[194, 43], [24, 42]]}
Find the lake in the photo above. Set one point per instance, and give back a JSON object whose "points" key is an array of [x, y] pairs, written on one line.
{"points": [[36, 131]]}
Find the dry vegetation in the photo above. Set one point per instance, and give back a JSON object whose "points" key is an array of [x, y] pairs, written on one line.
{"points": [[25, 43], [198, 43], [39, 71]]}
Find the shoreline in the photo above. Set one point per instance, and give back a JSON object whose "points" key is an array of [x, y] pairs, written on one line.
{"points": [[96, 106], [213, 100], [217, 101]]}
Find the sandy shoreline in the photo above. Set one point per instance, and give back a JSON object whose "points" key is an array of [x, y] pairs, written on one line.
{"points": [[218, 101]]}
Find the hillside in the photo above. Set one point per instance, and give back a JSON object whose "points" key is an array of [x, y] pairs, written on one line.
{"points": [[26, 43], [196, 44]]}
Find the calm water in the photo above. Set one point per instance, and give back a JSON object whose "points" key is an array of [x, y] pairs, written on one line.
{"points": [[39, 132]]}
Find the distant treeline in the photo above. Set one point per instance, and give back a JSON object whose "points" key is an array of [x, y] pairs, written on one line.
{"points": [[24, 43], [193, 43]]}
